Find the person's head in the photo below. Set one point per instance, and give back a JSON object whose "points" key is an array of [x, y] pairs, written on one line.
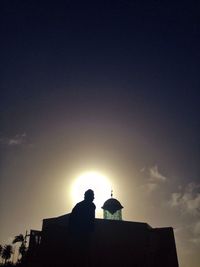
{"points": [[89, 195]]}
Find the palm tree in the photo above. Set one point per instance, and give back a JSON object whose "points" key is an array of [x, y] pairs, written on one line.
{"points": [[21, 239], [22, 250], [7, 252]]}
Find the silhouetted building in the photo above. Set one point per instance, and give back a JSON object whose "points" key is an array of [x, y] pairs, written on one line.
{"points": [[112, 242], [32, 255]]}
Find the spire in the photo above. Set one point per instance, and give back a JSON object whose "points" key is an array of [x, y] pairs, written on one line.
{"points": [[111, 193]]}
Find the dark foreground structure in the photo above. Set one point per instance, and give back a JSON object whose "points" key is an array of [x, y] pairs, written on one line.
{"points": [[112, 243], [79, 240]]}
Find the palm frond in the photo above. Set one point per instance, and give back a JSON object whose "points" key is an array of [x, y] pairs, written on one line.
{"points": [[18, 238], [7, 252]]}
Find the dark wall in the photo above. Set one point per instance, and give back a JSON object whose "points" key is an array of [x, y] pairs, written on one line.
{"points": [[112, 243]]}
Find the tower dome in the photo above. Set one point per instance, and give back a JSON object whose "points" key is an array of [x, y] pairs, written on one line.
{"points": [[112, 209]]}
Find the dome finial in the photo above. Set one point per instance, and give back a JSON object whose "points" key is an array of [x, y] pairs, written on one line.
{"points": [[111, 193]]}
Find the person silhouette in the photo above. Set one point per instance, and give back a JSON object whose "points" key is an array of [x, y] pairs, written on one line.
{"points": [[81, 225], [82, 216]]}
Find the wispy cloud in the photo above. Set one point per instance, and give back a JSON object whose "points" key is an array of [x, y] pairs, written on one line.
{"points": [[195, 240], [195, 233], [149, 187], [153, 178], [155, 175], [17, 140], [196, 228], [187, 199]]}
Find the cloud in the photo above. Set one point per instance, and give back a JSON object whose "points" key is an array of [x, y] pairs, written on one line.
{"points": [[196, 228], [153, 179], [155, 175], [195, 233], [188, 199], [152, 187], [195, 240], [149, 187], [17, 140]]}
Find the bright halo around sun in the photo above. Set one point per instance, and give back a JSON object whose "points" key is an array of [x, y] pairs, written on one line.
{"points": [[95, 181]]}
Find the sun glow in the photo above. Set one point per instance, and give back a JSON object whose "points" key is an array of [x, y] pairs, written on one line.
{"points": [[95, 181]]}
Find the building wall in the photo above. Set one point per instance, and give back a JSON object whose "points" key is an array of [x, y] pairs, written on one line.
{"points": [[112, 243]]}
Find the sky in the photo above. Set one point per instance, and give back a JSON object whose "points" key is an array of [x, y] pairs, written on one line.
{"points": [[107, 86]]}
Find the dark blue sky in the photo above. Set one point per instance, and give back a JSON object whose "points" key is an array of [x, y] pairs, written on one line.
{"points": [[128, 61], [109, 84]]}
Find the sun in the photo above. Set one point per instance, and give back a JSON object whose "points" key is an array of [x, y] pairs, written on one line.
{"points": [[96, 181]]}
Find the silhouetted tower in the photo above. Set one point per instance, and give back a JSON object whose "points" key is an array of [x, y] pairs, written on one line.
{"points": [[112, 209]]}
